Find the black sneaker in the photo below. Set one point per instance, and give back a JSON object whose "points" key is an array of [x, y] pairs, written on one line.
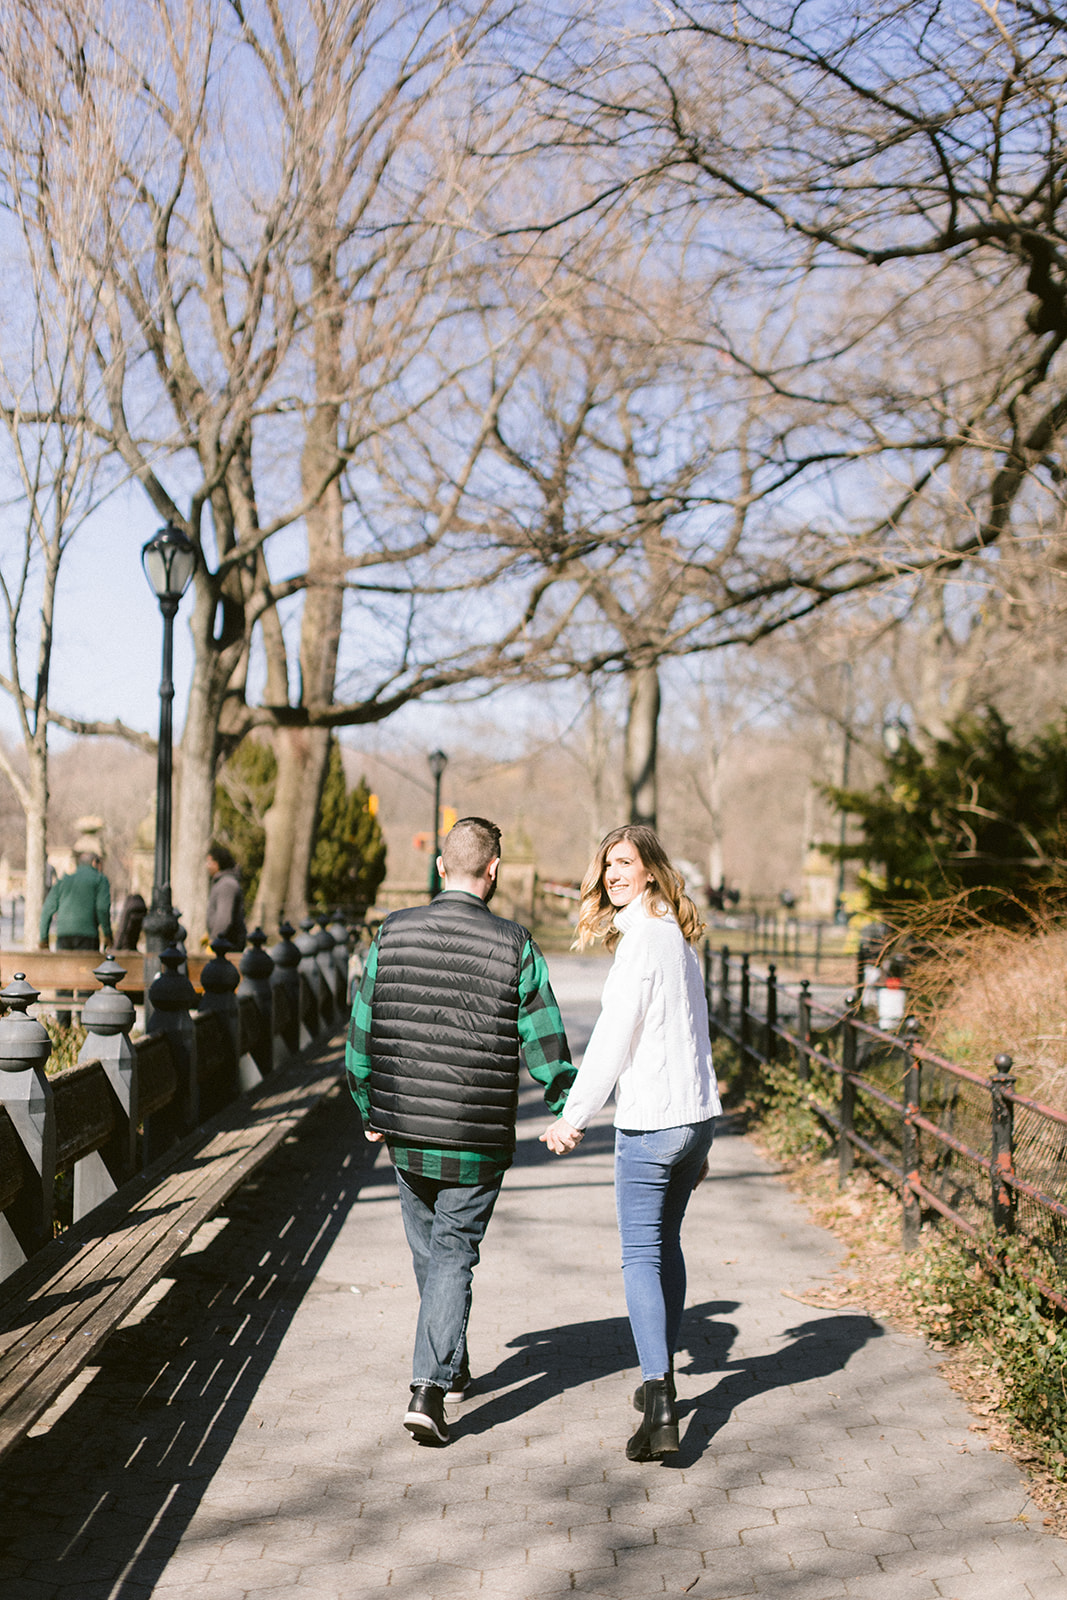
{"points": [[425, 1416], [458, 1388]]}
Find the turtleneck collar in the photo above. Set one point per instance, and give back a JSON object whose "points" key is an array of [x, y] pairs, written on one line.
{"points": [[638, 908]]}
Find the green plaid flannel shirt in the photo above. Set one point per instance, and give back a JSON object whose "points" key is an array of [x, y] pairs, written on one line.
{"points": [[543, 1048]]}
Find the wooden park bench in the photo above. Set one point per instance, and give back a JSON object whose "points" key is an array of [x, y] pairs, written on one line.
{"points": [[129, 1121], [53, 971]]}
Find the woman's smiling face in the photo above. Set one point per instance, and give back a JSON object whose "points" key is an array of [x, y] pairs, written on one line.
{"points": [[625, 874]]}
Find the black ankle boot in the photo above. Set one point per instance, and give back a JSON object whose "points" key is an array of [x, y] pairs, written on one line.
{"points": [[639, 1392], [658, 1434]]}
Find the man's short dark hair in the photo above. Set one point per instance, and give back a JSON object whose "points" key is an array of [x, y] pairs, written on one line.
{"points": [[220, 854], [469, 847]]}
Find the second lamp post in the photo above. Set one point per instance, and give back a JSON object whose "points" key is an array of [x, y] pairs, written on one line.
{"points": [[438, 762]]}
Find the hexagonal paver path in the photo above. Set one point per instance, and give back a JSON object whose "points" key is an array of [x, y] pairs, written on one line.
{"points": [[242, 1437]]}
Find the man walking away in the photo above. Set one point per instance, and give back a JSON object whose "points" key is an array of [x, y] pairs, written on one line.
{"points": [[452, 1000], [80, 906]]}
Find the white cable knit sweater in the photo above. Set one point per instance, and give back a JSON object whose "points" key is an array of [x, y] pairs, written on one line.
{"points": [[651, 1042]]}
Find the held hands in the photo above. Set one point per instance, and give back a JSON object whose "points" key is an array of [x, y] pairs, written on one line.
{"points": [[560, 1137]]}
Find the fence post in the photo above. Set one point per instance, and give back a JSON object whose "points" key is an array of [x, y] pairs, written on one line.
{"points": [[847, 1115], [26, 1095], [312, 984], [342, 948], [108, 1017], [1001, 1083], [911, 1206], [743, 1019], [329, 1003], [290, 1035], [708, 996], [724, 986], [770, 1039], [257, 968], [219, 979], [168, 1004], [804, 1030]]}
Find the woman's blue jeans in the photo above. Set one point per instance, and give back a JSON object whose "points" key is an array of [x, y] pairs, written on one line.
{"points": [[445, 1224], [655, 1172]]}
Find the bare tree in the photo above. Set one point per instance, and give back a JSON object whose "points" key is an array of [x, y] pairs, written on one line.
{"points": [[52, 199], [905, 163], [270, 312]]}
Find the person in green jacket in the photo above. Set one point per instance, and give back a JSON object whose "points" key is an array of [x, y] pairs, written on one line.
{"points": [[80, 906]]}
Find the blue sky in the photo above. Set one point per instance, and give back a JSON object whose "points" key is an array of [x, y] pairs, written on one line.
{"points": [[108, 629]]}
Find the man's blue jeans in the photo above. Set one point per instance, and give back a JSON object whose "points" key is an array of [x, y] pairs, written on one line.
{"points": [[445, 1224], [655, 1172]]}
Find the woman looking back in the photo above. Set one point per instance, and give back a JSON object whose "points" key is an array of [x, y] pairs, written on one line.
{"points": [[651, 1045]]}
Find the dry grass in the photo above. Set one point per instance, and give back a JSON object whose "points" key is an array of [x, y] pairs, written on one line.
{"points": [[993, 990]]}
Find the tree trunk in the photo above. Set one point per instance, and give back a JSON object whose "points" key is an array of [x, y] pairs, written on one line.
{"points": [[36, 843], [307, 818], [290, 825], [303, 754], [716, 851], [197, 765], [642, 735], [195, 782]]}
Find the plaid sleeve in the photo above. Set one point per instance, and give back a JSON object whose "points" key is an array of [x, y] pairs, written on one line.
{"points": [[542, 1039], [357, 1045]]}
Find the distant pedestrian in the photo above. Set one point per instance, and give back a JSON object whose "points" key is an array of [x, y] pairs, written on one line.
{"points": [[652, 1046], [80, 906], [225, 898], [452, 1002]]}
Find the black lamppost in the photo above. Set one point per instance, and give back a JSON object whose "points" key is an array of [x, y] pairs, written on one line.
{"points": [[840, 914], [438, 762], [169, 561]]}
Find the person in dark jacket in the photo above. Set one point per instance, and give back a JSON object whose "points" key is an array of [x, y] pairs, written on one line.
{"points": [[453, 1001], [225, 899]]}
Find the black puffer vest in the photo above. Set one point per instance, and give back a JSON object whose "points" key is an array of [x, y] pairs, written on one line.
{"points": [[444, 1027]]}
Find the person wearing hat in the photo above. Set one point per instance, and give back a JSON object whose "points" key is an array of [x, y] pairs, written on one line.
{"points": [[80, 906]]}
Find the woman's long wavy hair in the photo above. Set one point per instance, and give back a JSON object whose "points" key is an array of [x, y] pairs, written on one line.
{"points": [[666, 892]]}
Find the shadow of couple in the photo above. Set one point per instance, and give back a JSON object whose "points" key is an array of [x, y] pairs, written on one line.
{"points": [[548, 1362]]}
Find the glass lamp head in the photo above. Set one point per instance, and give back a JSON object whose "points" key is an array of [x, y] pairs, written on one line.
{"points": [[169, 561]]}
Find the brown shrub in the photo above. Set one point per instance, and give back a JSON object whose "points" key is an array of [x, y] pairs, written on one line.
{"points": [[992, 990]]}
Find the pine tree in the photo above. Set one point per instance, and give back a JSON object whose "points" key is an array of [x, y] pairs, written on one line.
{"points": [[980, 812], [243, 794], [348, 861]]}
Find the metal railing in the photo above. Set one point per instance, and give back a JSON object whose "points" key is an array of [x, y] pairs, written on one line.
{"points": [[809, 943], [70, 1141], [955, 1144]]}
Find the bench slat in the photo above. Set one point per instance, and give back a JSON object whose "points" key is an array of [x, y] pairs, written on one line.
{"points": [[58, 1309]]}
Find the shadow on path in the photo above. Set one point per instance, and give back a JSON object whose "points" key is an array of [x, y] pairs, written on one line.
{"points": [[96, 1506], [550, 1361]]}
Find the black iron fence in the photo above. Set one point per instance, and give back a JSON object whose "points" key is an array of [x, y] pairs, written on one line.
{"points": [[819, 945], [955, 1144]]}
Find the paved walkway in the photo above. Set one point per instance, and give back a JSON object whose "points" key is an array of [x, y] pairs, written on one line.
{"points": [[243, 1438]]}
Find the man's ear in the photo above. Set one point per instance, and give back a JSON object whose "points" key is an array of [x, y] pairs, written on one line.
{"points": [[440, 868], [491, 869]]}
